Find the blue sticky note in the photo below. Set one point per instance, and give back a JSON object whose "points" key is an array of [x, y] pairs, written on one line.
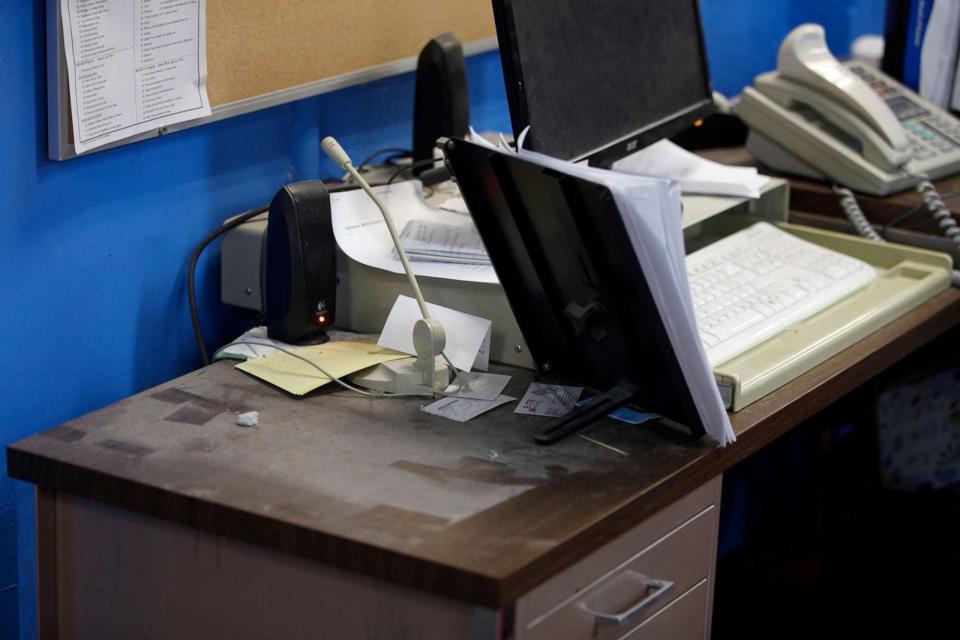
{"points": [[632, 416], [626, 414]]}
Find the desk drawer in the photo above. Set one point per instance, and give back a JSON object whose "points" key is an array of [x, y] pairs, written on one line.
{"points": [[677, 546], [684, 619]]}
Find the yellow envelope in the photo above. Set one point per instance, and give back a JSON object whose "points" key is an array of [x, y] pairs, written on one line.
{"points": [[339, 359]]}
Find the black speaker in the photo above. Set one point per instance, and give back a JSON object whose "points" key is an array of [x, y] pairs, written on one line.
{"points": [[300, 279], [441, 104]]}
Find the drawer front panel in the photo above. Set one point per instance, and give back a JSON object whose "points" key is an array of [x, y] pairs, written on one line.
{"points": [[683, 557], [552, 593], [684, 619]]}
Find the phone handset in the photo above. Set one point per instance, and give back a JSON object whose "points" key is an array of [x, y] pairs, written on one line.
{"points": [[805, 58], [875, 147]]}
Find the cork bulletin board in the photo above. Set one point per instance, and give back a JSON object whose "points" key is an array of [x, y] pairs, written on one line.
{"points": [[261, 53]]}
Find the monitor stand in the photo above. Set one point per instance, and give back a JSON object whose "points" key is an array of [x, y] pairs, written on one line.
{"points": [[583, 416]]}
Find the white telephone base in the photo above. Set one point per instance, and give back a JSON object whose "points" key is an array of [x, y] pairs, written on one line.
{"points": [[405, 377], [769, 154]]}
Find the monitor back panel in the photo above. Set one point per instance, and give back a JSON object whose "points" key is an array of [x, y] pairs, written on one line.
{"points": [[573, 280]]}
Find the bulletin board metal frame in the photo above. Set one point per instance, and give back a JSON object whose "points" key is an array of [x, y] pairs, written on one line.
{"points": [[59, 127]]}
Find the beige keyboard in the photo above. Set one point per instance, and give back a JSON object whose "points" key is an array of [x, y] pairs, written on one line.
{"points": [[757, 282]]}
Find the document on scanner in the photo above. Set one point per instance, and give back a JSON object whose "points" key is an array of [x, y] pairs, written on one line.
{"points": [[694, 174], [428, 241], [361, 233]]}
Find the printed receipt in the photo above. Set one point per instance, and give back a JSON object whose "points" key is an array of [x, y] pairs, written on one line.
{"points": [[133, 66]]}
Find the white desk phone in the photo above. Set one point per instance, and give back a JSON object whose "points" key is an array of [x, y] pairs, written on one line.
{"points": [[846, 122], [850, 124]]}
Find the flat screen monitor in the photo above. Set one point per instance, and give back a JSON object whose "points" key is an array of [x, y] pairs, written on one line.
{"points": [[599, 79]]}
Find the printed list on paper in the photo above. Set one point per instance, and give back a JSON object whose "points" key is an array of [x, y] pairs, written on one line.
{"points": [[133, 66]]}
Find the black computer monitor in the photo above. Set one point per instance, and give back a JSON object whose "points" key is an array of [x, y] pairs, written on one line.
{"points": [[599, 79]]}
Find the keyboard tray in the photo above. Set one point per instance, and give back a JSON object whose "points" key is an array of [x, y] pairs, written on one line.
{"points": [[907, 277]]}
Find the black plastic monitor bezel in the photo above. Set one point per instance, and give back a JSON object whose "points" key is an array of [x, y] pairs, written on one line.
{"points": [[608, 151]]}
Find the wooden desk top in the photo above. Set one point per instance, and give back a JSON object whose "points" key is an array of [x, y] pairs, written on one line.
{"points": [[472, 511], [816, 197]]}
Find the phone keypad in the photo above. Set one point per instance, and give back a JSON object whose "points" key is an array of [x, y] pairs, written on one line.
{"points": [[922, 135], [922, 141], [928, 134], [946, 127]]}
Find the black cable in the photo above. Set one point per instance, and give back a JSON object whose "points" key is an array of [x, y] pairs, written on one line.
{"points": [[903, 217], [395, 152], [411, 166], [192, 268], [909, 213]]}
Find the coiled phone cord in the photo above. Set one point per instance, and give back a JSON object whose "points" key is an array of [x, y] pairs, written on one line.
{"points": [[936, 206], [931, 199], [851, 209], [941, 213]]}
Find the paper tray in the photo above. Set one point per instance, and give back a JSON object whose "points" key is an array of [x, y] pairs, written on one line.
{"points": [[907, 277]]}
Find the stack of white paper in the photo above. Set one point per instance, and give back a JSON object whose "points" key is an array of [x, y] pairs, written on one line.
{"points": [[431, 241], [694, 174], [650, 209], [361, 233]]}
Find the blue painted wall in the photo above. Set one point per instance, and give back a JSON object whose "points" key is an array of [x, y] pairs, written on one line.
{"points": [[93, 251], [743, 35]]}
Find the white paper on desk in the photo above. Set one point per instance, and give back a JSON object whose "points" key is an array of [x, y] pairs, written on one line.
{"points": [[362, 234], [468, 337], [665, 159], [463, 409], [479, 386], [133, 67], [253, 344], [552, 400]]}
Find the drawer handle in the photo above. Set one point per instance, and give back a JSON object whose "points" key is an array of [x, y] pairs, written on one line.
{"points": [[658, 590]]}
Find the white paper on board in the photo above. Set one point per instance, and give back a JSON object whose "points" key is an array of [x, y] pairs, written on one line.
{"points": [[133, 67]]}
